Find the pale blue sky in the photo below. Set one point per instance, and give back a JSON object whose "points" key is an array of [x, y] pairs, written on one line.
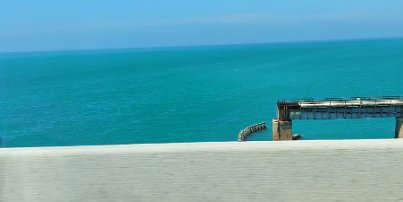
{"points": [[30, 25]]}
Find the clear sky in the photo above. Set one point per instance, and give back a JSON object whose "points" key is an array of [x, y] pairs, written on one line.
{"points": [[29, 25]]}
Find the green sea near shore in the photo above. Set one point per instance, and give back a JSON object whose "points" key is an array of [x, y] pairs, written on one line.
{"points": [[189, 94]]}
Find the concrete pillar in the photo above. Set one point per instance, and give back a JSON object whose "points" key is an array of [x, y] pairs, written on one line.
{"points": [[399, 127], [282, 130], [276, 136]]}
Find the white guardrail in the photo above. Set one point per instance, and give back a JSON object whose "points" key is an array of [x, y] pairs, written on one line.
{"points": [[337, 170]]}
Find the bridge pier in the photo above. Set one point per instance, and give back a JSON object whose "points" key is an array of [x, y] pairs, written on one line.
{"points": [[282, 130], [399, 127]]}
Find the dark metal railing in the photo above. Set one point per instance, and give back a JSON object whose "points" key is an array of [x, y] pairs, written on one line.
{"points": [[341, 99], [354, 107]]}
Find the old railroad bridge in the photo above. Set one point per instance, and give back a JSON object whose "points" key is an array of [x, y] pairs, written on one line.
{"points": [[336, 108]]}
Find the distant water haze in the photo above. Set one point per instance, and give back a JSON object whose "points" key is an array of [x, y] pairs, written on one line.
{"points": [[44, 25], [189, 94]]}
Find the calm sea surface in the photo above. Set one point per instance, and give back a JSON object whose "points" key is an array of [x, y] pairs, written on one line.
{"points": [[189, 94]]}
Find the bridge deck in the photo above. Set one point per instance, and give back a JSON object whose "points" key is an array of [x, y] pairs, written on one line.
{"points": [[335, 108]]}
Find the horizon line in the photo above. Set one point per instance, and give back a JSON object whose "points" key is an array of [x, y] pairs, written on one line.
{"points": [[200, 45]]}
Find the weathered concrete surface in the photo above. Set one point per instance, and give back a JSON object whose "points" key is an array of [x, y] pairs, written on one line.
{"points": [[275, 134], [349, 170], [399, 128], [282, 130]]}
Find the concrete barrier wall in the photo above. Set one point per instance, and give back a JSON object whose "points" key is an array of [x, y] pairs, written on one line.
{"points": [[349, 170]]}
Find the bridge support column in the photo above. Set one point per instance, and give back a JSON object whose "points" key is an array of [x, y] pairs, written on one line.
{"points": [[399, 127], [282, 130]]}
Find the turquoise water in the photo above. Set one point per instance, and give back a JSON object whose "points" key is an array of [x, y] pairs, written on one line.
{"points": [[189, 94]]}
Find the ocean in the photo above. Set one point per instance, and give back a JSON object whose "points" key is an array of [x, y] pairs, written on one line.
{"points": [[189, 94]]}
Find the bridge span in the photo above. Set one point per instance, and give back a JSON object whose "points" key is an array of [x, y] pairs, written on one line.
{"points": [[336, 108]]}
